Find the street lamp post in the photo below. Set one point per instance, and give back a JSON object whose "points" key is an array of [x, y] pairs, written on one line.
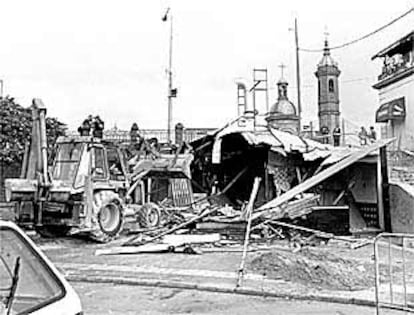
{"points": [[171, 91], [298, 74]]}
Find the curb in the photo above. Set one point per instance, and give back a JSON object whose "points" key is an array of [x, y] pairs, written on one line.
{"points": [[219, 289]]}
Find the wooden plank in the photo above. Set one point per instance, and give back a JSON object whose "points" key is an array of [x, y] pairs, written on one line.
{"points": [[225, 226], [234, 180], [333, 207], [147, 248], [253, 195], [249, 211], [203, 146], [182, 239], [326, 173]]}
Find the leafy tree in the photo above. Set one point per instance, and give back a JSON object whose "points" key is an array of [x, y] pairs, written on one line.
{"points": [[16, 128]]}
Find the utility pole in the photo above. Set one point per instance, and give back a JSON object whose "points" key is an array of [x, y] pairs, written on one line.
{"points": [[171, 93], [298, 73], [1, 89]]}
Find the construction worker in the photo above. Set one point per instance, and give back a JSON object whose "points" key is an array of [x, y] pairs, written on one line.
{"points": [[98, 127], [85, 127]]}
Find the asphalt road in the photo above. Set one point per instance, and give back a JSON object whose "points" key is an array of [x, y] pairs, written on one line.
{"points": [[121, 299]]}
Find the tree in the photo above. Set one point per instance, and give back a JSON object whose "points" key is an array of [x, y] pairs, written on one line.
{"points": [[16, 128]]}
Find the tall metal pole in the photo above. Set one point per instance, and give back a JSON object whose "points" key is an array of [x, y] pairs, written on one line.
{"points": [[170, 80], [298, 73]]}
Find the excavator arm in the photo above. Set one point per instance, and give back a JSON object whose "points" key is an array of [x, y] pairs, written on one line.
{"points": [[34, 175]]}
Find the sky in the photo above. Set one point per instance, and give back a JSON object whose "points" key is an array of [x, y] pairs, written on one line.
{"points": [[110, 58]]}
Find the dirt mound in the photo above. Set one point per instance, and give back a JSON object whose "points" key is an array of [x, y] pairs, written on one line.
{"points": [[316, 269]]}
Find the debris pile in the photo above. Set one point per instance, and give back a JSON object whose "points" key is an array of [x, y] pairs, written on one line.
{"points": [[317, 268], [207, 225]]}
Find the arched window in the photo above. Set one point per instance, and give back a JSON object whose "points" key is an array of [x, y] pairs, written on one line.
{"points": [[331, 86]]}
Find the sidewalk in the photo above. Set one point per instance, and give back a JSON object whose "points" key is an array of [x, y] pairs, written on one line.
{"points": [[208, 280]]}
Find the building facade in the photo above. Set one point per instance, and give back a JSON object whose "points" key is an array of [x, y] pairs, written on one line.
{"points": [[396, 93], [327, 74]]}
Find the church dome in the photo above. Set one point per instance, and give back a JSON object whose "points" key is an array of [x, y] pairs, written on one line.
{"points": [[283, 107], [282, 115]]}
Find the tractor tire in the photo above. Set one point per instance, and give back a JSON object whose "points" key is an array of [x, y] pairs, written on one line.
{"points": [[110, 219], [52, 231], [149, 216]]}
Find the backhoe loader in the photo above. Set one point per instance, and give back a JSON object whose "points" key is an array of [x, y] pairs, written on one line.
{"points": [[87, 187]]}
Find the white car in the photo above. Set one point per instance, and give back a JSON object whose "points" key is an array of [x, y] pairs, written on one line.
{"points": [[29, 283]]}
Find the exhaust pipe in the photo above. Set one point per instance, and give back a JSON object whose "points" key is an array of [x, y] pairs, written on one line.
{"points": [[241, 98]]}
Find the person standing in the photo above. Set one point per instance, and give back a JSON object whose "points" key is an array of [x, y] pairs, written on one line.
{"points": [[85, 127], [98, 127], [372, 135], [337, 136], [325, 135], [362, 134]]}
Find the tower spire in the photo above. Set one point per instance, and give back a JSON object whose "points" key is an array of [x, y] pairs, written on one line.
{"points": [[328, 92], [282, 84], [326, 50]]}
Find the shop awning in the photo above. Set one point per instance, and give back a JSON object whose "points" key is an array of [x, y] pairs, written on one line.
{"points": [[394, 110]]}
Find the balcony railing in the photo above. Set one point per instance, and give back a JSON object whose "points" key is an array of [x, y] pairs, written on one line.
{"points": [[394, 68]]}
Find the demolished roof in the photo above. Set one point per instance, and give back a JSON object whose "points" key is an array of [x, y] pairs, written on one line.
{"points": [[278, 141]]}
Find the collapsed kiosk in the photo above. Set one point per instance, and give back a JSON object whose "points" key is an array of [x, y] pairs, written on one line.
{"points": [[335, 189]]}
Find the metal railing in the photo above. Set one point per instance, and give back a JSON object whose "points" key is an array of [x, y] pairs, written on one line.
{"points": [[189, 134], [393, 272], [398, 67]]}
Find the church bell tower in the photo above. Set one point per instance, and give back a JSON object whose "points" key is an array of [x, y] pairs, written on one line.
{"points": [[328, 92]]}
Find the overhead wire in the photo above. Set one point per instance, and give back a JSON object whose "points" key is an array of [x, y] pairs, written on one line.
{"points": [[364, 36]]}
